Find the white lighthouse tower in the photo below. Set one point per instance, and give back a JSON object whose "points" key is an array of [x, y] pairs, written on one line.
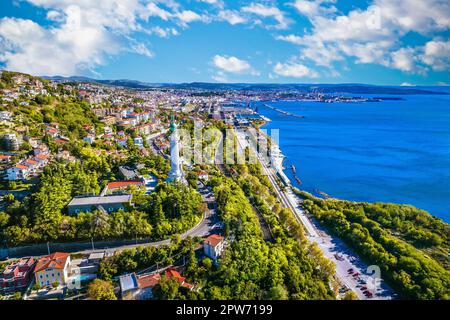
{"points": [[176, 170]]}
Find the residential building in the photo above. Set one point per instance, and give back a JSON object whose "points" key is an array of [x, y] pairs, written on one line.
{"points": [[5, 158], [135, 287], [52, 268], [202, 175], [128, 173], [89, 138], [172, 273], [122, 185], [18, 172], [5, 115], [213, 246], [138, 141], [108, 203], [16, 276]]}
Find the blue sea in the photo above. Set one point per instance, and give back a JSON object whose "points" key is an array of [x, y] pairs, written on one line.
{"points": [[389, 151]]}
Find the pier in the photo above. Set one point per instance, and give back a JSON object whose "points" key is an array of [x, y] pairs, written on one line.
{"points": [[284, 112]]}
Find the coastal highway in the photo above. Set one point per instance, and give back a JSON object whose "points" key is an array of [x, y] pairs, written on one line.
{"points": [[332, 247]]}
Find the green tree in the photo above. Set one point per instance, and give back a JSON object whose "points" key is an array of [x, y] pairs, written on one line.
{"points": [[101, 290]]}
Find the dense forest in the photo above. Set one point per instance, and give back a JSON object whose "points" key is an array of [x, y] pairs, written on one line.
{"points": [[408, 244]]}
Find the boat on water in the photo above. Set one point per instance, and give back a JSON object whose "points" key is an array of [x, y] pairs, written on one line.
{"points": [[298, 180], [294, 170]]}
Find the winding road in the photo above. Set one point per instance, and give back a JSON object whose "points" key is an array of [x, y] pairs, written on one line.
{"points": [[202, 229]]}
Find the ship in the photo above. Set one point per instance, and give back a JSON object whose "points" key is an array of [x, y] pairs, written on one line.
{"points": [[294, 170], [298, 180]]}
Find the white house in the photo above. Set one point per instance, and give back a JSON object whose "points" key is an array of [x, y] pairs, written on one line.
{"points": [[89, 138], [18, 172], [213, 246], [52, 268], [138, 141]]}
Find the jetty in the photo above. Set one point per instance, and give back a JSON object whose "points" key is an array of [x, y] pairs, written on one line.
{"points": [[284, 112]]}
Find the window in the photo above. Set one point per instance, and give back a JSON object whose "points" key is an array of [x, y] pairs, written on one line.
{"points": [[40, 276], [53, 275]]}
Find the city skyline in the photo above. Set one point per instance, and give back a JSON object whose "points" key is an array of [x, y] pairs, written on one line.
{"points": [[375, 42]]}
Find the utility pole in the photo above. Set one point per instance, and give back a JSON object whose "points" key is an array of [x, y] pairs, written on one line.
{"points": [[48, 248], [92, 242]]}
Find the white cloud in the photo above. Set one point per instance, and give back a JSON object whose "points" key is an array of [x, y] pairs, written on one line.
{"points": [[294, 70], [188, 16], [313, 7], [232, 17], [141, 49], [373, 35], [407, 84], [218, 3], [163, 32], [291, 38], [436, 53], [403, 59], [85, 33], [231, 64], [268, 12], [220, 77], [154, 11]]}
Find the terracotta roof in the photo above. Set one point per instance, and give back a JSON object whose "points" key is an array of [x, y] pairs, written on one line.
{"points": [[148, 281], [172, 273], [31, 161], [213, 240], [2, 156], [21, 166], [123, 184], [41, 156], [56, 260]]}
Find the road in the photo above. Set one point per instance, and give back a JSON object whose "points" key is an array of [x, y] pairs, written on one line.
{"points": [[332, 247], [205, 227], [202, 229]]}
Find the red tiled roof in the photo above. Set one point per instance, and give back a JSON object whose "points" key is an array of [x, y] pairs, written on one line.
{"points": [[2, 156], [123, 184], [41, 156], [148, 281], [21, 166], [172, 273], [56, 260], [31, 161], [213, 240]]}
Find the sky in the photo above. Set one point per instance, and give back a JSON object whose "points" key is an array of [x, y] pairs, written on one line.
{"points": [[401, 42]]}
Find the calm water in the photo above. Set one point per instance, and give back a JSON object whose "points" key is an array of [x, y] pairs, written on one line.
{"points": [[390, 151]]}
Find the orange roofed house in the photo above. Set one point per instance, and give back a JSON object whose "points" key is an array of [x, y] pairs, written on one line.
{"points": [[52, 268], [172, 273], [213, 246]]}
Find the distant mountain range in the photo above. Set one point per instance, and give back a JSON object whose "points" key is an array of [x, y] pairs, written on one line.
{"points": [[353, 88]]}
